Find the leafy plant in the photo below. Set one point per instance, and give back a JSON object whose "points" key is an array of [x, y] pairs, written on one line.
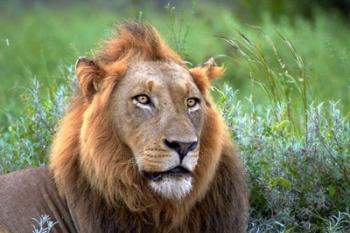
{"points": [[296, 183], [27, 140], [338, 223], [44, 224]]}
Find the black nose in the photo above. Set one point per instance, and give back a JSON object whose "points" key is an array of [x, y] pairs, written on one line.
{"points": [[182, 148]]}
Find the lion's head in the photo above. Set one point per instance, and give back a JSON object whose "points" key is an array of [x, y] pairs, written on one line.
{"points": [[158, 113], [141, 128]]}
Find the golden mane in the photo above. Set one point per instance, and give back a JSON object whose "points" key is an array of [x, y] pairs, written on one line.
{"points": [[136, 40], [110, 185]]}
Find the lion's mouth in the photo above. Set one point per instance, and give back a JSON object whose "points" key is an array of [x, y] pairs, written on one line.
{"points": [[174, 172]]}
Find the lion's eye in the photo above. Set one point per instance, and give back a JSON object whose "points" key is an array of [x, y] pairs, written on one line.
{"points": [[192, 102], [142, 99]]}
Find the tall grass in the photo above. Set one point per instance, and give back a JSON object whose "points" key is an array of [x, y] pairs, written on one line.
{"points": [[272, 73]]}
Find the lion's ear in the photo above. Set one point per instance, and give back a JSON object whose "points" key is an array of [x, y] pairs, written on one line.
{"points": [[204, 73], [212, 70], [89, 76]]}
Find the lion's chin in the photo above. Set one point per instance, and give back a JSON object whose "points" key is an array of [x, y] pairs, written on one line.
{"points": [[172, 187]]}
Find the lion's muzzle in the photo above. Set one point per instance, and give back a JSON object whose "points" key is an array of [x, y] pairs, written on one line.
{"points": [[174, 180]]}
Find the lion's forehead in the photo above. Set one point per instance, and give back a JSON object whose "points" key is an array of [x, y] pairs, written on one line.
{"points": [[160, 71]]}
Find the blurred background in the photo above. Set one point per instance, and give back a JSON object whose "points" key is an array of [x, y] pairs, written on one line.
{"points": [[42, 39]]}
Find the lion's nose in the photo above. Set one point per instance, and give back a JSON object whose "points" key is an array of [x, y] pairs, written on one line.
{"points": [[182, 148]]}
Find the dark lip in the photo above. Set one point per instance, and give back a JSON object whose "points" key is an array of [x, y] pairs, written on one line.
{"points": [[176, 171]]}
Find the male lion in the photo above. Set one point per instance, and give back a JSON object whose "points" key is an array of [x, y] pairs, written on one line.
{"points": [[141, 149]]}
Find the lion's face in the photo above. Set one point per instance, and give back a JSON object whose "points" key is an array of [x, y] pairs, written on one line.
{"points": [[158, 112]]}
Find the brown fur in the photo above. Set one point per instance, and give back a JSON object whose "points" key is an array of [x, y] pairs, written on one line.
{"points": [[95, 172]]}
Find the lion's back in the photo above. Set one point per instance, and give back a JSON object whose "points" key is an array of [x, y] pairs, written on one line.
{"points": [[28, 194]]}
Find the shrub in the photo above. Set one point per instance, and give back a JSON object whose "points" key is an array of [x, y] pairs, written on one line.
{"points": [[297, 183], [27, 140]]}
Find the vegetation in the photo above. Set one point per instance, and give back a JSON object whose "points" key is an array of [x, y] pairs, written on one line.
{"points": [[297, 184], [44, 44], [44, 224], [286, 98]]}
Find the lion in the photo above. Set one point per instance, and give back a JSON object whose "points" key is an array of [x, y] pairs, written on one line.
{"points": [[141, 148]]}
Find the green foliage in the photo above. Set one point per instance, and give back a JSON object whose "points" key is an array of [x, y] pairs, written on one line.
{"points": [[179, 27], [254, 9], [27, 140], [296, 183], [337, 223], [278, 80], [271, 58], [43, 43]]}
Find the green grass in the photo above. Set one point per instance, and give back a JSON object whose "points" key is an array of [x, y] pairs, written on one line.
{"points": [[43, 44], [46, 41]]}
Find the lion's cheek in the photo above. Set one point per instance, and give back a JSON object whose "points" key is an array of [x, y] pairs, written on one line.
{"points": [[190, 161]]}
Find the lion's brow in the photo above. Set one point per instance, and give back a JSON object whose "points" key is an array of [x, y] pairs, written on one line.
{"points": [[150, 84], [188, 88]]}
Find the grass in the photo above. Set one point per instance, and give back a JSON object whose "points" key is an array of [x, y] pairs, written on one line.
{"points": [[280, 83], [43, 44], [286, 98]]}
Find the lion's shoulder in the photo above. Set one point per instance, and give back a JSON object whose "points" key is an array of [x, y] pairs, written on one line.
{"points": [[29, 194]]}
